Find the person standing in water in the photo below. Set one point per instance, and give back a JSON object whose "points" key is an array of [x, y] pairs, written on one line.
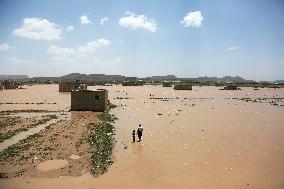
{"points": [[139, 132], [133, 136]]}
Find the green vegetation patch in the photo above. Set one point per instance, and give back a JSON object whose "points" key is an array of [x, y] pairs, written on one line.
{"points": [[46, 119], [6, 121], [8, 112], [3, 175], [9, 134], [107, 117], [102, 140], [112, 106], [16, 149]]}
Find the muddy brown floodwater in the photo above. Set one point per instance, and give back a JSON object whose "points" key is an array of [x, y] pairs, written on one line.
{"points": [[204, 138]]}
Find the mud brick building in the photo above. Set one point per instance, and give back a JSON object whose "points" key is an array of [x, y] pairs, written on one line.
{"points": [[167, 84], [88, 100], [10, 85], [68, 86], [231, 87], [182, 87]]}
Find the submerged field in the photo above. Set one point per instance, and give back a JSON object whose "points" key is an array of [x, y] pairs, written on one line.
{"points": [[202, 138]]}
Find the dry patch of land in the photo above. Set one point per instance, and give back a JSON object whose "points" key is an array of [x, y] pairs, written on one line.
{"points": [[84, 141]]}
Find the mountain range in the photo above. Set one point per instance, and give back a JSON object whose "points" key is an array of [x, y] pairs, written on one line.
{"points": [[119, 78]]}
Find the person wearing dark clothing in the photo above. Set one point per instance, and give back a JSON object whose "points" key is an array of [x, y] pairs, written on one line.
{"points": [[133, 136], [139, 132]]}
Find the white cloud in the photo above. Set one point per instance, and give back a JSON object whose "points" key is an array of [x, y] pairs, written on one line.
{"points": [[282, 61], [38, 29], [60, 51], [192, 19], [232, 48], [133, 21], [70, 28], [103, 20], [4, 47], [93, 45], [70, 54], [85, 20], [61, 54]]}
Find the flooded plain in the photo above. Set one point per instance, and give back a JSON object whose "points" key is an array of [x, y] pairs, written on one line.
{"points": [[202, 138]]}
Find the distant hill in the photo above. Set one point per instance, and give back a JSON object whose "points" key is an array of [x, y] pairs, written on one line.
{"points": [[162, 78], [279, 81], [103, 77], [92, 77], [13, 77], [236, 79], [119, 78]]}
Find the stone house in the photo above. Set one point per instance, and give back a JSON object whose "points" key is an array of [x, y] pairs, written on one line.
{"points": [[167, 84], [182, 87], [10, 85], [87, 100], [231, 87], [68, 86]]}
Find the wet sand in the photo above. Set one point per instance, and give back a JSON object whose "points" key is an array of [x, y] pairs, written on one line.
{"points": [[203, 138], [51, 165]]}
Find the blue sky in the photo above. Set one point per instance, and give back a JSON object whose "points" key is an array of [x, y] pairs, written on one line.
{"points": [[187, 38]]}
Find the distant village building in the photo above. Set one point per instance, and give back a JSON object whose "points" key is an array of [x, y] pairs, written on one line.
{"points": [[133, 79], [167, 84], [68, 86], [182, 87], [162, 78], [231, 87], [132, 83], [1, 86], [10, 85], [88, 100], [275, 86], [129, 83]]}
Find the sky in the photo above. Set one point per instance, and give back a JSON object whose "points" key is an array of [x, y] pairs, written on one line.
{"points": [[186, 38]]}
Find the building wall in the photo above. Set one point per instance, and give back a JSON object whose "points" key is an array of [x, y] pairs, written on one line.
{"points": [[167, 85], [183, 87], [231, 87], [89, 100], [11, 86], [68, 87], [129, 84]]}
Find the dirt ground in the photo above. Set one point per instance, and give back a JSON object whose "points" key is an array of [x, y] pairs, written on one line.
{"points": [[14, 124], [58, 141]]}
